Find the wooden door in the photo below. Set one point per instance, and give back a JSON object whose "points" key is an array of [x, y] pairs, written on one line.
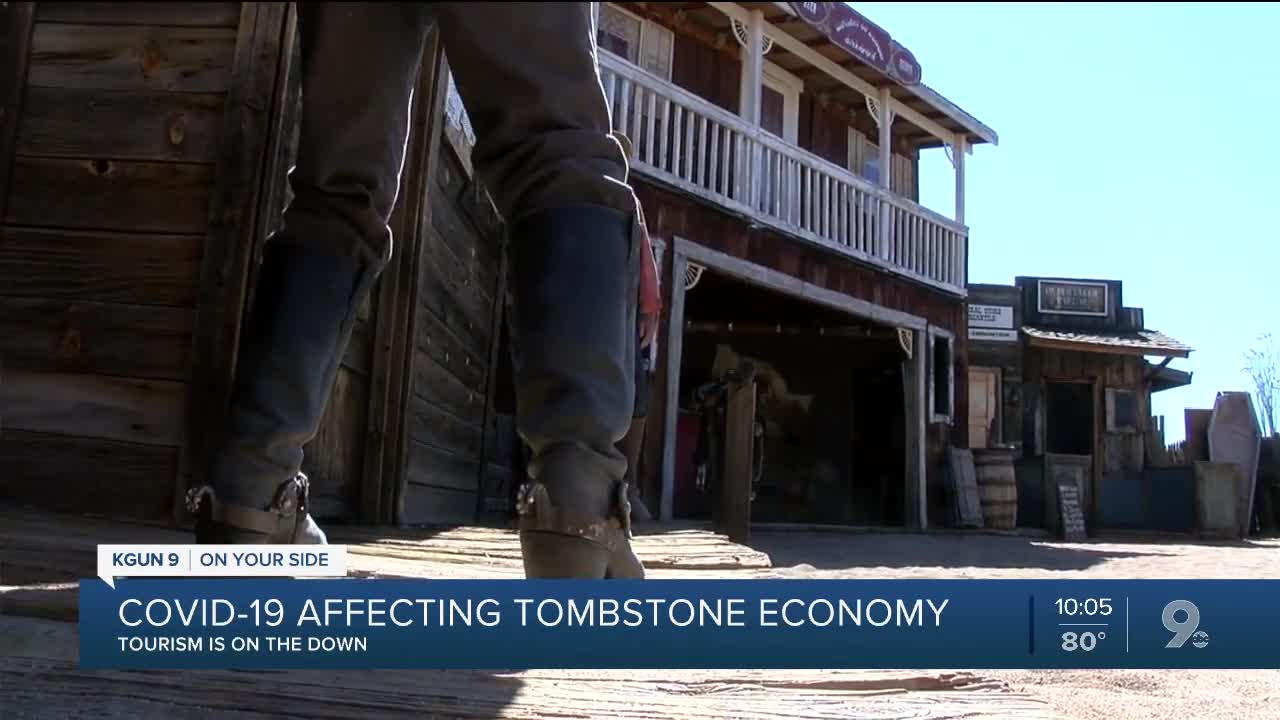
{"points": [[984, 399]]}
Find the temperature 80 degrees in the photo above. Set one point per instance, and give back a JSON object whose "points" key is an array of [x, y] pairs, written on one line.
{"points": [[1086, 641]]}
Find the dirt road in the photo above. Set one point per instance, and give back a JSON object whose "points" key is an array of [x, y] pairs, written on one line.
{"points": [[1087, 695]]}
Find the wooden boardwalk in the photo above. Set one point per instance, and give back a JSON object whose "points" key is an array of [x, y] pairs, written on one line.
{"points": [[42, 556]]}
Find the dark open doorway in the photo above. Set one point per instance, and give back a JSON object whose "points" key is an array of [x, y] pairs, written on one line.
{"points": [[1069, 418]]}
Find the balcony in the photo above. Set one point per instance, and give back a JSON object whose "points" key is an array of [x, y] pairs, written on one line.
{"points": [[689, 143]]}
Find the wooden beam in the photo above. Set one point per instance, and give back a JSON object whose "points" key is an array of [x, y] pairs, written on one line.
{"points": [[735, 472], [1151, 375], [391, 382], [16, 21], [671, 408], [795, 287], [232, 235], [915, 383], [958, 148]]}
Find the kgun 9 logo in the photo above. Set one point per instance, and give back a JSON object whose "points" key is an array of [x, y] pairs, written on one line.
{"points": [[1186, 628]]}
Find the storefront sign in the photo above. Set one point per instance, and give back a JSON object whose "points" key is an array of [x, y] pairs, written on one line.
{"points": [[1072, 297], [861, 38], [991, 316], [989, 335]]}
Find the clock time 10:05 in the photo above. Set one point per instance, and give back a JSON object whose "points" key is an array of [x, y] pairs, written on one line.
{"points": [[1088, 607]]}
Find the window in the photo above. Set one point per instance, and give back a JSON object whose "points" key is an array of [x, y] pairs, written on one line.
{"points": [[1122, 411], [940, 376], [779, 99], [641, 42]]}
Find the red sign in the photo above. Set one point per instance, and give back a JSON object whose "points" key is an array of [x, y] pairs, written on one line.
{"points": [[903, 66], [861, 38]]}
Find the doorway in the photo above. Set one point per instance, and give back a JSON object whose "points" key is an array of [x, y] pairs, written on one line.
{"points": [[984, 407], [1069, 416]]}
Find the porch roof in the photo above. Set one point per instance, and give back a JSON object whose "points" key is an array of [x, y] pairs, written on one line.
{"points": [[1135, 342], [1167, 378], [847, 73]]}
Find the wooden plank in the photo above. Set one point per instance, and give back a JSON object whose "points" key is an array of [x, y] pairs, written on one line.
{"points": [[334, 459], [398, 308], [488, 428], [192, 14], [450, 293], [104, 477], [429, 505], [456, 249], [443, 469], [432, 426], [968, 506], [131, 57], [233, 228], [138, 125], [98, 266], [139, 411], [101, 194], [735, 486], [16, 22], [432, 338], [436, 385], [95, 338]]}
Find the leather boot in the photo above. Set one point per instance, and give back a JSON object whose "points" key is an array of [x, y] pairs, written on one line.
{"points": [[303, 313], [573, 302]]}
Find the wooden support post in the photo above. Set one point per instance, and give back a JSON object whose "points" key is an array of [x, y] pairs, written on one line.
{"points": [[235, 216], [735, 485], [916, 511], [671, 413], [753, 102], [886, 168], [392, 378], [958, 149]]}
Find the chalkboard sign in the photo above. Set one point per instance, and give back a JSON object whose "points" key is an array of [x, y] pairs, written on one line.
{"points": [[1071, 517]]}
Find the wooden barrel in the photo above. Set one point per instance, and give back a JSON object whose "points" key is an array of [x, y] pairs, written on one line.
{"points": [[997, 487]]}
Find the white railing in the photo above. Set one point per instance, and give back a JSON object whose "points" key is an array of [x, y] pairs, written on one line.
{"points": [[688, 142]]}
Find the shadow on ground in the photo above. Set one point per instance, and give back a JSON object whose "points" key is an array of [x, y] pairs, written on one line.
{"points": [[847, 551]]}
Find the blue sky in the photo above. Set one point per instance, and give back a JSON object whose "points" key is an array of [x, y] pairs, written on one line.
{"points": [[1135, 144]]}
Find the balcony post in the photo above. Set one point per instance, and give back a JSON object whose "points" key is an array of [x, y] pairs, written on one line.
{"points": [[886, 167], [958, 148], [753, 103]]}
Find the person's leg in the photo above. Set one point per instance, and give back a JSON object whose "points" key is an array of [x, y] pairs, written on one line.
{"points": [[631, 445], [359, 66], [527, 75]]}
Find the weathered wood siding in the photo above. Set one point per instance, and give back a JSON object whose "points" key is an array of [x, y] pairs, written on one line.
{"points": [[1116, 454], [114, 136], [460, 276], [1007, 356]]}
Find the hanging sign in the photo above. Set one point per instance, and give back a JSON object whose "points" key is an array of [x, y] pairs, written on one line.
{"points": [[1072, 297], [861, 38]]}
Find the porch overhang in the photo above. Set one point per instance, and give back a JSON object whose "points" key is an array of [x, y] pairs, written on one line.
{"points": [[1164, 377], [1136, 342], [801, 46]]}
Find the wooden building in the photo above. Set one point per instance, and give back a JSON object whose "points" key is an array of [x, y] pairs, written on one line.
{"points": [[143, 151], [1059, 369], [776, 152]]}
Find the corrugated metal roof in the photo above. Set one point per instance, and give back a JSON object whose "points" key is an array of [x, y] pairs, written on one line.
{"points": [[1151, 341]]}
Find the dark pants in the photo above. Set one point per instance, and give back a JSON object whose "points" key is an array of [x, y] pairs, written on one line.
{"points": [[527, 75]]}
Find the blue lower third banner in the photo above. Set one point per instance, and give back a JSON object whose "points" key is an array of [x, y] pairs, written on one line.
{"points": [[655, 624]]}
